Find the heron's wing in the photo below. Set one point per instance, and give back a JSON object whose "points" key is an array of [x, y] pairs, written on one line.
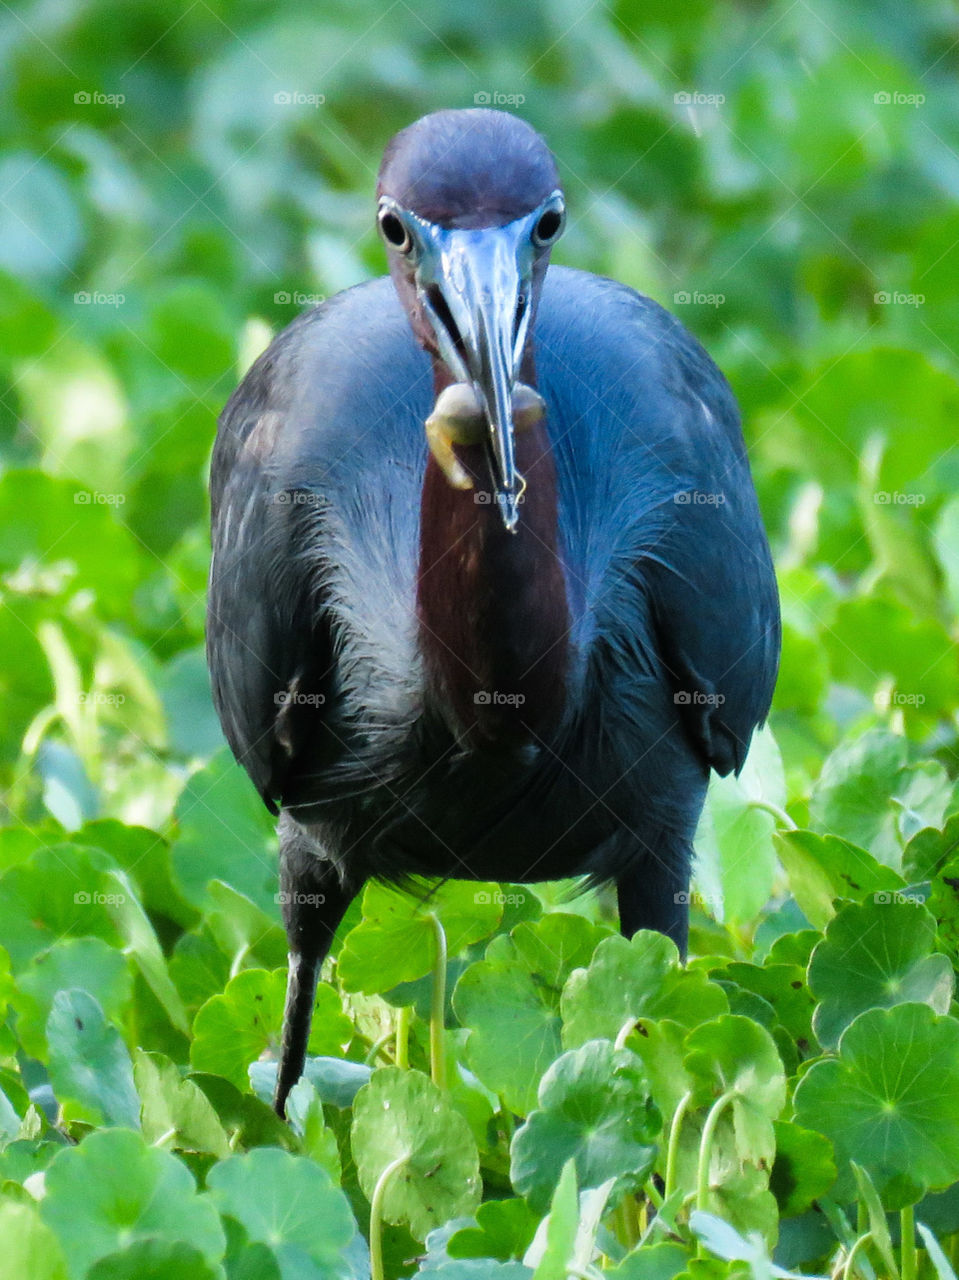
{"points": [[314, 485], [659, 493], [254, 654]]}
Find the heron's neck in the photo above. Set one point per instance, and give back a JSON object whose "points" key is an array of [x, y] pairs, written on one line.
{"points": [[492, 607]]}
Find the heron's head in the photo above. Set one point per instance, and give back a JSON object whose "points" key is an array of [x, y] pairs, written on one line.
{"points": [[469, 208]]}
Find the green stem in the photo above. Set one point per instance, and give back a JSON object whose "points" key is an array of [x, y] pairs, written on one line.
{"points": [[861, 1243], [376, 1047], [631, 1222], [507, 1117], [705, 1147], [403, 1037], [652, 1195], [781, 816], [620, 1229], [438, 1007], [625, 1032], [376, 1219], [672, 1148], [907, 1246]]}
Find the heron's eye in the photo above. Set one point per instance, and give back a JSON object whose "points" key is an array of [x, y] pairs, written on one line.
{"points": [[394, 231], [550, 225]]}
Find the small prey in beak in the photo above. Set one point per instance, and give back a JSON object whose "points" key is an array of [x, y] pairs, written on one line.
{"points": [[475, 289]]}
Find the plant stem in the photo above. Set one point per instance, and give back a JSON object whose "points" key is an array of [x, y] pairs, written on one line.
{"points": [[376, 1221], [705, 1145], [402, 1057], [672, 1148], [625, 1032], [376, 1047], [907, 1243], [861, 1243], [781, 816], [438, 1007]]}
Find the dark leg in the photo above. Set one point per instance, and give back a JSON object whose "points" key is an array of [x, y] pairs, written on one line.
{"points": [[314, 902], [654, 892]]}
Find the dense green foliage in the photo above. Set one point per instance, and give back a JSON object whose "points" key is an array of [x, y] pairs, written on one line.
{"points": [[177, 181]]}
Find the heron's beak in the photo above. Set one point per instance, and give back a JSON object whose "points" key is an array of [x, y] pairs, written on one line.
{"points": [[475, 289]]}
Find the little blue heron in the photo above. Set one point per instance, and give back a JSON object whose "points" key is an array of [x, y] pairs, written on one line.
{"points": [[490, 591]]}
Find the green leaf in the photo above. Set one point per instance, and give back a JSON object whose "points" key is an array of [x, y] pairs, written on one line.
{"points": [[510, 1002], [395, 942], [890, 1101], [877, 953], [41, 230], [113, 1190], [141, 942], [823, 868], [733, 1055], [247, 1121], [878, 1227], [61, 891], [304, 1111], [403, 1114], [176, 1110], [289, 1204], [783, 987], [626, 980], [89, 963], [336, 1080], [504, 1230], [936, 1255], [595, 1109], [155, 1260], [90, 1068], [28, 1248], [804, 1169], [234, 1029], [559, 1239], [71, 545], [852, 796], [225, 833], [735, 858], [662, 1261]]}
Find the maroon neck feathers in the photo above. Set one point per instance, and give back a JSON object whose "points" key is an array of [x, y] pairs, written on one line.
{"points": [[492, 607]]}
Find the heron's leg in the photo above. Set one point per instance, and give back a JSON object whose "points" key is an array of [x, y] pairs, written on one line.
{"points": [[654, 892], [314, 902]]}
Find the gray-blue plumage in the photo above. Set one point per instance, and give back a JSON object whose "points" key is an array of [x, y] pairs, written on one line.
{"points": [[674, 617]]}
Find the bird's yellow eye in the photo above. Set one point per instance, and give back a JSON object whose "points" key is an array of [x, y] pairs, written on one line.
{"points": [[394, 231], [550, 225]]}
